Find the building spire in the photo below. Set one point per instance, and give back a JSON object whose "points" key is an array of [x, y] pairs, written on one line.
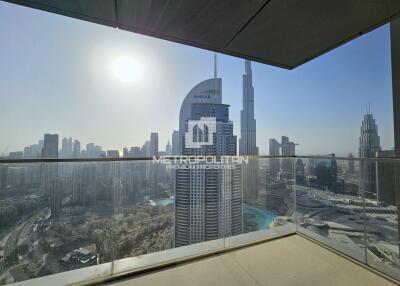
{"points": [[215, 65], [368, 108], [247, 67]]}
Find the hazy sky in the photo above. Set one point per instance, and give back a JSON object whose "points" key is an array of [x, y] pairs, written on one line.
{"points": [[62, 75]]}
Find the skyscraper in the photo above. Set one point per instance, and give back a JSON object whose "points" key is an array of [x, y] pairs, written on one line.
{"points": [[247, 141], [208, 91], [154, 144], [90, 152], [125, 152], [135, 152], [351, 165], [77, 149], [66, 148], [274, 148], [49, 181], [145, 150], [288, 149], [168, 149], [50, 146], [175, 143], [98, 151], [207, 201], [33, 151], [369, 146], [64, 143], [112, 154], [326, 173]]}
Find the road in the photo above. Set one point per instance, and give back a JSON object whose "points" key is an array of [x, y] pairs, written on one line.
{"points": [[12, 242]]}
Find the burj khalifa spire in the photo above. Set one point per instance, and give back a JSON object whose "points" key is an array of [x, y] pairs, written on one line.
{"points": [[247, 141]]}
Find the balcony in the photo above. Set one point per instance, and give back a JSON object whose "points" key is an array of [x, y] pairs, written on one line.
{"points": [[246, 220], [289, 221], [277, 262]]}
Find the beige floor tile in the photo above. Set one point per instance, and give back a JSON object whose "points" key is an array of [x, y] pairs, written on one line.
{"points": [[292, 260]]}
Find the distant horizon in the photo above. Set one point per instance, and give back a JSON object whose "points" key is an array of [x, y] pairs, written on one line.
{"points": [[75, 83]]}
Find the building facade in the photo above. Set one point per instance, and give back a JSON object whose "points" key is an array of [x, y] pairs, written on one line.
{"points": [[369, 146], [175, 143], [154, 144], [208, 202], [275, 164]]}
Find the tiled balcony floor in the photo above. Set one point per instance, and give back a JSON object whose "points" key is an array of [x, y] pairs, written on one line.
{"points": [[291, 260]]}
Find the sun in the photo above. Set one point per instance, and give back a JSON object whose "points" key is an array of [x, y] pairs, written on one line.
{"points": [[125, 69]]}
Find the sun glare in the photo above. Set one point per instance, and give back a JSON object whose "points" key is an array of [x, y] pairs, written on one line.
{"points": [[125, 69]]}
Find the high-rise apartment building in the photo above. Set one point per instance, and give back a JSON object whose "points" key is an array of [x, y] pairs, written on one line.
{"points": [[50, 146], [326, 171], [66, 148], [175, 143], [288, 149], [77, 149], [49, 181], [90, 152], [112, 154], [135, 152], [16, 155], [33, 151], [154, 144], [94, 151], [274, 150]]}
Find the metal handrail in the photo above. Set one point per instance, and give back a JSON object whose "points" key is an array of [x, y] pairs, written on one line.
{"points": [[128, 159]]}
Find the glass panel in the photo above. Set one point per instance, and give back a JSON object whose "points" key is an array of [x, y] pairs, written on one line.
{"points": [[329, 205], [187, 205], [382, 220], [55, 217], [352, 206], [143, 213], [268, 187]]}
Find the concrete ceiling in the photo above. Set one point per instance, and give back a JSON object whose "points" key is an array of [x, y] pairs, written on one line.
{"points": [[284, 33]]}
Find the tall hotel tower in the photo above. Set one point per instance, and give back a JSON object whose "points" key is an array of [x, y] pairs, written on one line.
{"points": [[208, 202], [247, 141], [369, 146]]}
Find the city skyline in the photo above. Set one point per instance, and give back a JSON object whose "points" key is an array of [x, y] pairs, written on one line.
{"points": [[85, 92]]}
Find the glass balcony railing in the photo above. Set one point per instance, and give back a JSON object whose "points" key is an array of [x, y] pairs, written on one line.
{"points": [[352, 206], [69, 221]]}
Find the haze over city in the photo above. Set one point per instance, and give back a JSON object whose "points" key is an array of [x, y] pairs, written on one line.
{"points": [[80, 70]]}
